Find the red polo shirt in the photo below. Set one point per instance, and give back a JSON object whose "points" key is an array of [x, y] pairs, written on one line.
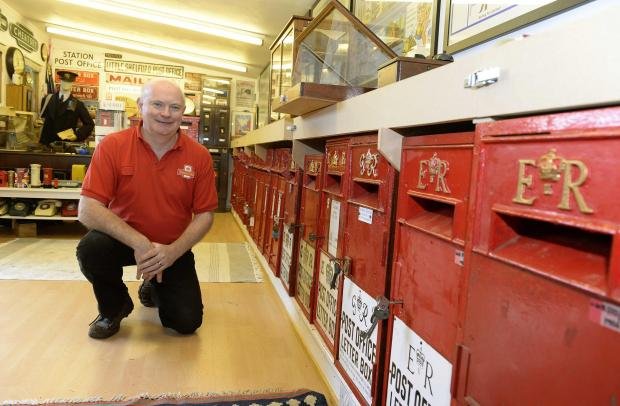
{"points": [[155, 197]]}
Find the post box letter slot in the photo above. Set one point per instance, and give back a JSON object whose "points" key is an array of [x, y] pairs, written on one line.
{"points": [[430, 215], [573, 255], [365, 194], [310, 182], [333, 184]]}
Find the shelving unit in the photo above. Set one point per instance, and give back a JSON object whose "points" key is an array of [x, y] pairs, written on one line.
{"points": [[39, 194]]}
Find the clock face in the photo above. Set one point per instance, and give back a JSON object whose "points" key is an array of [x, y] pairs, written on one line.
{"points": [[44, 51], [15, 61]]}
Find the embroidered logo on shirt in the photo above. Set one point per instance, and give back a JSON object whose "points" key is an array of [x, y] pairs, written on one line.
{"points": [[187, 172]]}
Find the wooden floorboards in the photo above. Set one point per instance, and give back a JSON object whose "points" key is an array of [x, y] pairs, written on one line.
{"points": [[246, 343]]}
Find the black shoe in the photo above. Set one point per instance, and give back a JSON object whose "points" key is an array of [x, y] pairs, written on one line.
{"points": [[104, 327], [145, 293]]}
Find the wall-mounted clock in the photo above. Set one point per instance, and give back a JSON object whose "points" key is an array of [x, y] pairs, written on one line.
{"points": [[14, 61], [44, 51]]}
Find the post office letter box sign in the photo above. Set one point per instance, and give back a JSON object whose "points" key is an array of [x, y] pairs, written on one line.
{"points": [[305, 274], [327, 298], [357, 355], [287, 255], [417, 374]]}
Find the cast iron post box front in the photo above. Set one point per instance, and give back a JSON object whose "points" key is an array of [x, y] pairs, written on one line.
{"points": [[331, 260], [262, 186], [543, 315], [251, 189], [428, 273], [367, 243], [310, 233], [269, 186], [273, 227], [290, 228]]}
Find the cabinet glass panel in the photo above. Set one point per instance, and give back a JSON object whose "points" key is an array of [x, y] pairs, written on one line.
{"points": [[263, 98], [276, 75], [287, 61], [340, 51], [405, 26]]}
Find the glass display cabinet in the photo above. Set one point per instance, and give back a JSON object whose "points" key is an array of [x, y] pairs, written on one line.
{"points": [[215, 109], [336, 57], [282, 57]]}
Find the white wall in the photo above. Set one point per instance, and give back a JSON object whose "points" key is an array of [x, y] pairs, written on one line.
{"points": [[33, 58]]}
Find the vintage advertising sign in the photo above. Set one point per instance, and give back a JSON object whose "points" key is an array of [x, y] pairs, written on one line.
{"points": [[418, 375], [304, 278], [144, 68], [77, 59], [86, 85], [287, 256], [328, 297], [357, 354], [24, 37]]}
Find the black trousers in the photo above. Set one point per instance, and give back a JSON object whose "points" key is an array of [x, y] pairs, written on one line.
{"points": [[178, 297]]}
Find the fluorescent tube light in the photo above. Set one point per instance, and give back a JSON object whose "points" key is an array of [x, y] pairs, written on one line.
{"points": [[168, 18], [147, 48]]}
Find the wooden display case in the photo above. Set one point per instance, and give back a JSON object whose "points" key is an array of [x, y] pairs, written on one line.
{"points": [[283, 51], [336, 57]]}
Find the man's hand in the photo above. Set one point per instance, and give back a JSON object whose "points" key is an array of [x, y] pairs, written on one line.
{"points": [[151, 263]]}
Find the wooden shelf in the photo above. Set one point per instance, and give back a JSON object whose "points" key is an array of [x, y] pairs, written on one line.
{"points": [[40, 193], [56, 217], [274, 132]]}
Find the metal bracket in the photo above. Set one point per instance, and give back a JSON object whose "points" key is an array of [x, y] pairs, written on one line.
{"points": [[481, 78]]}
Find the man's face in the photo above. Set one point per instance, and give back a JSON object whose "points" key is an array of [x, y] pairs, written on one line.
{"points": [[66, 86], [162, 110]]}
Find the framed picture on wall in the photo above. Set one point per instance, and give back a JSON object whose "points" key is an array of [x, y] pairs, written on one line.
{"points": [[243, 122], [245, 93], [469, 23], [408, 27]]}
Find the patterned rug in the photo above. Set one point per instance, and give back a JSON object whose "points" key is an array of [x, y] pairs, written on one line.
{"points": [[54, 259], [302, 397]]}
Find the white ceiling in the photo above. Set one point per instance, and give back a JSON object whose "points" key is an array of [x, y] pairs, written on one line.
{"points": [[265, 17]]}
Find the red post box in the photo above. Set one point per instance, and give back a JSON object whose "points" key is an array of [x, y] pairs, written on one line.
{"points": [[260, 202], [331, 260], [273, 227], [291, 229], [367, 243], [310, 233], [250, 190], [543, 315], [428, 274]]}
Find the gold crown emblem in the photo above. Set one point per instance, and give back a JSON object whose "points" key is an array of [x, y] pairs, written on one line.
{"points": [[550, 166]]}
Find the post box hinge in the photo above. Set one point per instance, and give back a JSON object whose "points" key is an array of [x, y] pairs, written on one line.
{"points": [[380, 312], [341, 265], [481, 78]]}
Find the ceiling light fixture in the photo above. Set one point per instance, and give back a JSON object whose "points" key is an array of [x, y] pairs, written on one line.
{"points": [[147, 48], [127, 10]]}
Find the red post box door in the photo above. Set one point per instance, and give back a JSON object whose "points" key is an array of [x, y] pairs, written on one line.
{"points": [[270, 214], [290, 233], [333, 205], [367, 243], [310, 233], [274, 229], [368, 215], [262, 185], [545, 263], [431, 220]]}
